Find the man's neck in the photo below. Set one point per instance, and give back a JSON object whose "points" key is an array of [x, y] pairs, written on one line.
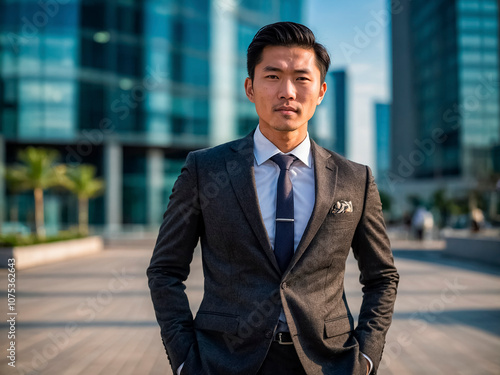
{"points": [[286, 141]]}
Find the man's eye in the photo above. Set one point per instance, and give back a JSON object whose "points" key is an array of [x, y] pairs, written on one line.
{"points": [[272, 76], [303, 79]]}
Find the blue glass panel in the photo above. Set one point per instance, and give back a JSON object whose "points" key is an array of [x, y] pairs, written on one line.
{"points": [[471, 57], [94, 55], [261, 6], [468, 5], [134, 187], [489, 24], [9, 16], [196, 34], [31, 121], [62, 16], [245, 35], [129, 18], [93, 15], [470, 23], [128, 59], [291, 10], [489, 5], [157, 19], [201, 6], [60, 51], [29, 55]]}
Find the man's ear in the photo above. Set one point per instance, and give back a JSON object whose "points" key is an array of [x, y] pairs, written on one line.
{"points": [[322, 92], [249, 89]]}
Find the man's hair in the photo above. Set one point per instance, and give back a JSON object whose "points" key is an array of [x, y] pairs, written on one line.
{"points": [[287, 34]]}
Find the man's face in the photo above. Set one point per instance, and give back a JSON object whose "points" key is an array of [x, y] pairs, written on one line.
{"points": [[286, 88]]}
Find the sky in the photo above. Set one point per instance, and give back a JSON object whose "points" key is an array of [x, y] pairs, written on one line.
{"points": [[356, 33]]}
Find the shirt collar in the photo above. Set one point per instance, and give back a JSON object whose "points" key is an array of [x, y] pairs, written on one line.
{"points": [[264, 149]]}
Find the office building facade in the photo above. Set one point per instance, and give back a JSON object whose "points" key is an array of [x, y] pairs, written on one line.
{"points": [[445, 113], [330, 123], [128, 86]]}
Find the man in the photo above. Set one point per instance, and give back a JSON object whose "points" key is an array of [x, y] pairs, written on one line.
{"points": [[276, 216]]}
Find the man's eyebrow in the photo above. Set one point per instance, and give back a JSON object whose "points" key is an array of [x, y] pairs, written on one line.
{"points": [[270, 68], [303, 71]]}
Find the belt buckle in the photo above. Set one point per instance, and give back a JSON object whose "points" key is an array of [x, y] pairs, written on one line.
{"points": [[280, 339]]}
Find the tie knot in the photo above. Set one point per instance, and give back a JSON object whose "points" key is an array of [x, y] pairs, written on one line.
{"points": [[283, 161]]}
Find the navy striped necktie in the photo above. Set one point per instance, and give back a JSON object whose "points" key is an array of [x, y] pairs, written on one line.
{"points": [[284, 235]]}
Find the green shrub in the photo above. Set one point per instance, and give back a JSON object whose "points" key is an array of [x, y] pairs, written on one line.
{"points": [[10, 240]]}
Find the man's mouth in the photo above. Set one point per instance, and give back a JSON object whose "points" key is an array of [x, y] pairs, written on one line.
{"points": [[286, 110]]}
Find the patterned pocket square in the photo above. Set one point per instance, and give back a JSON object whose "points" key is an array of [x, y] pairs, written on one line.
{"points": [[342, 207]]}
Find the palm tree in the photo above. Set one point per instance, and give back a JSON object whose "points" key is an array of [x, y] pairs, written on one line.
{"points": [[37, 172], [82, 182]]}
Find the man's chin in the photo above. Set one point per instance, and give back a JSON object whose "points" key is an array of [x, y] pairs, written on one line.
{"points": [[287, 127]]}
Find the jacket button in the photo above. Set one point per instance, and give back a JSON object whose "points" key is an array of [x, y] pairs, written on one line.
{"points": [[283, 285], [268, 333]]}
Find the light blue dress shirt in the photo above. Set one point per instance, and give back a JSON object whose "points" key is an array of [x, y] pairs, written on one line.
{"points": [[266, 178]]}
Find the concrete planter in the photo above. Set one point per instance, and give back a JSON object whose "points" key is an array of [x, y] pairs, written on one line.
{"points": [[35, 255], [482, 249]]}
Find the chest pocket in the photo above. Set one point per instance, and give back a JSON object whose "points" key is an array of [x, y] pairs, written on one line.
{"points": [[341, 221]]}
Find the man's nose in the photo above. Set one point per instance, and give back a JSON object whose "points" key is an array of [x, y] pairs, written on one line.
{"points": [[287, 90]]}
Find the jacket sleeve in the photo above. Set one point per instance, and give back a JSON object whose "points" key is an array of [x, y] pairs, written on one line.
{"points": [[378, 275], [169, 267]]}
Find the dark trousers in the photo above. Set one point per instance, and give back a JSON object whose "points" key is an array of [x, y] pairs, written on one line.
{"points": [[281, 360]]}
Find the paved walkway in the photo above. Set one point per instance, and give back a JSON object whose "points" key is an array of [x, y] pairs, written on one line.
{"points": [[94, 316]]}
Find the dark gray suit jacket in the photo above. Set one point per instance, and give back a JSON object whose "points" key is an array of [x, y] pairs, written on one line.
{"points": [[214, 200]]}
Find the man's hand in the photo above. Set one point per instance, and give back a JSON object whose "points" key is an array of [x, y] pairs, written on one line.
{"points": [[369, 363]]}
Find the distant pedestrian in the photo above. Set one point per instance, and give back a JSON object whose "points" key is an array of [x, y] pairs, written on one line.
{"points": [[422, 222], [428, 224], [477, 219], [417, 222]]}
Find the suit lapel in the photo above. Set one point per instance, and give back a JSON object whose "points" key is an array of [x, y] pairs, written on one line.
{"points": [[240, 167], [325, 175]]}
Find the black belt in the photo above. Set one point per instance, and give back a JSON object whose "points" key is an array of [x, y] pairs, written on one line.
{"points": [[283, 338]]}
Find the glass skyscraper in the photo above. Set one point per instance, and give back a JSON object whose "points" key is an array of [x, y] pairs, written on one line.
{"points": [[128, 86], [445, 113], [382, 138], [478, 72], [329, 124], [445, 86], [340, 84]]}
